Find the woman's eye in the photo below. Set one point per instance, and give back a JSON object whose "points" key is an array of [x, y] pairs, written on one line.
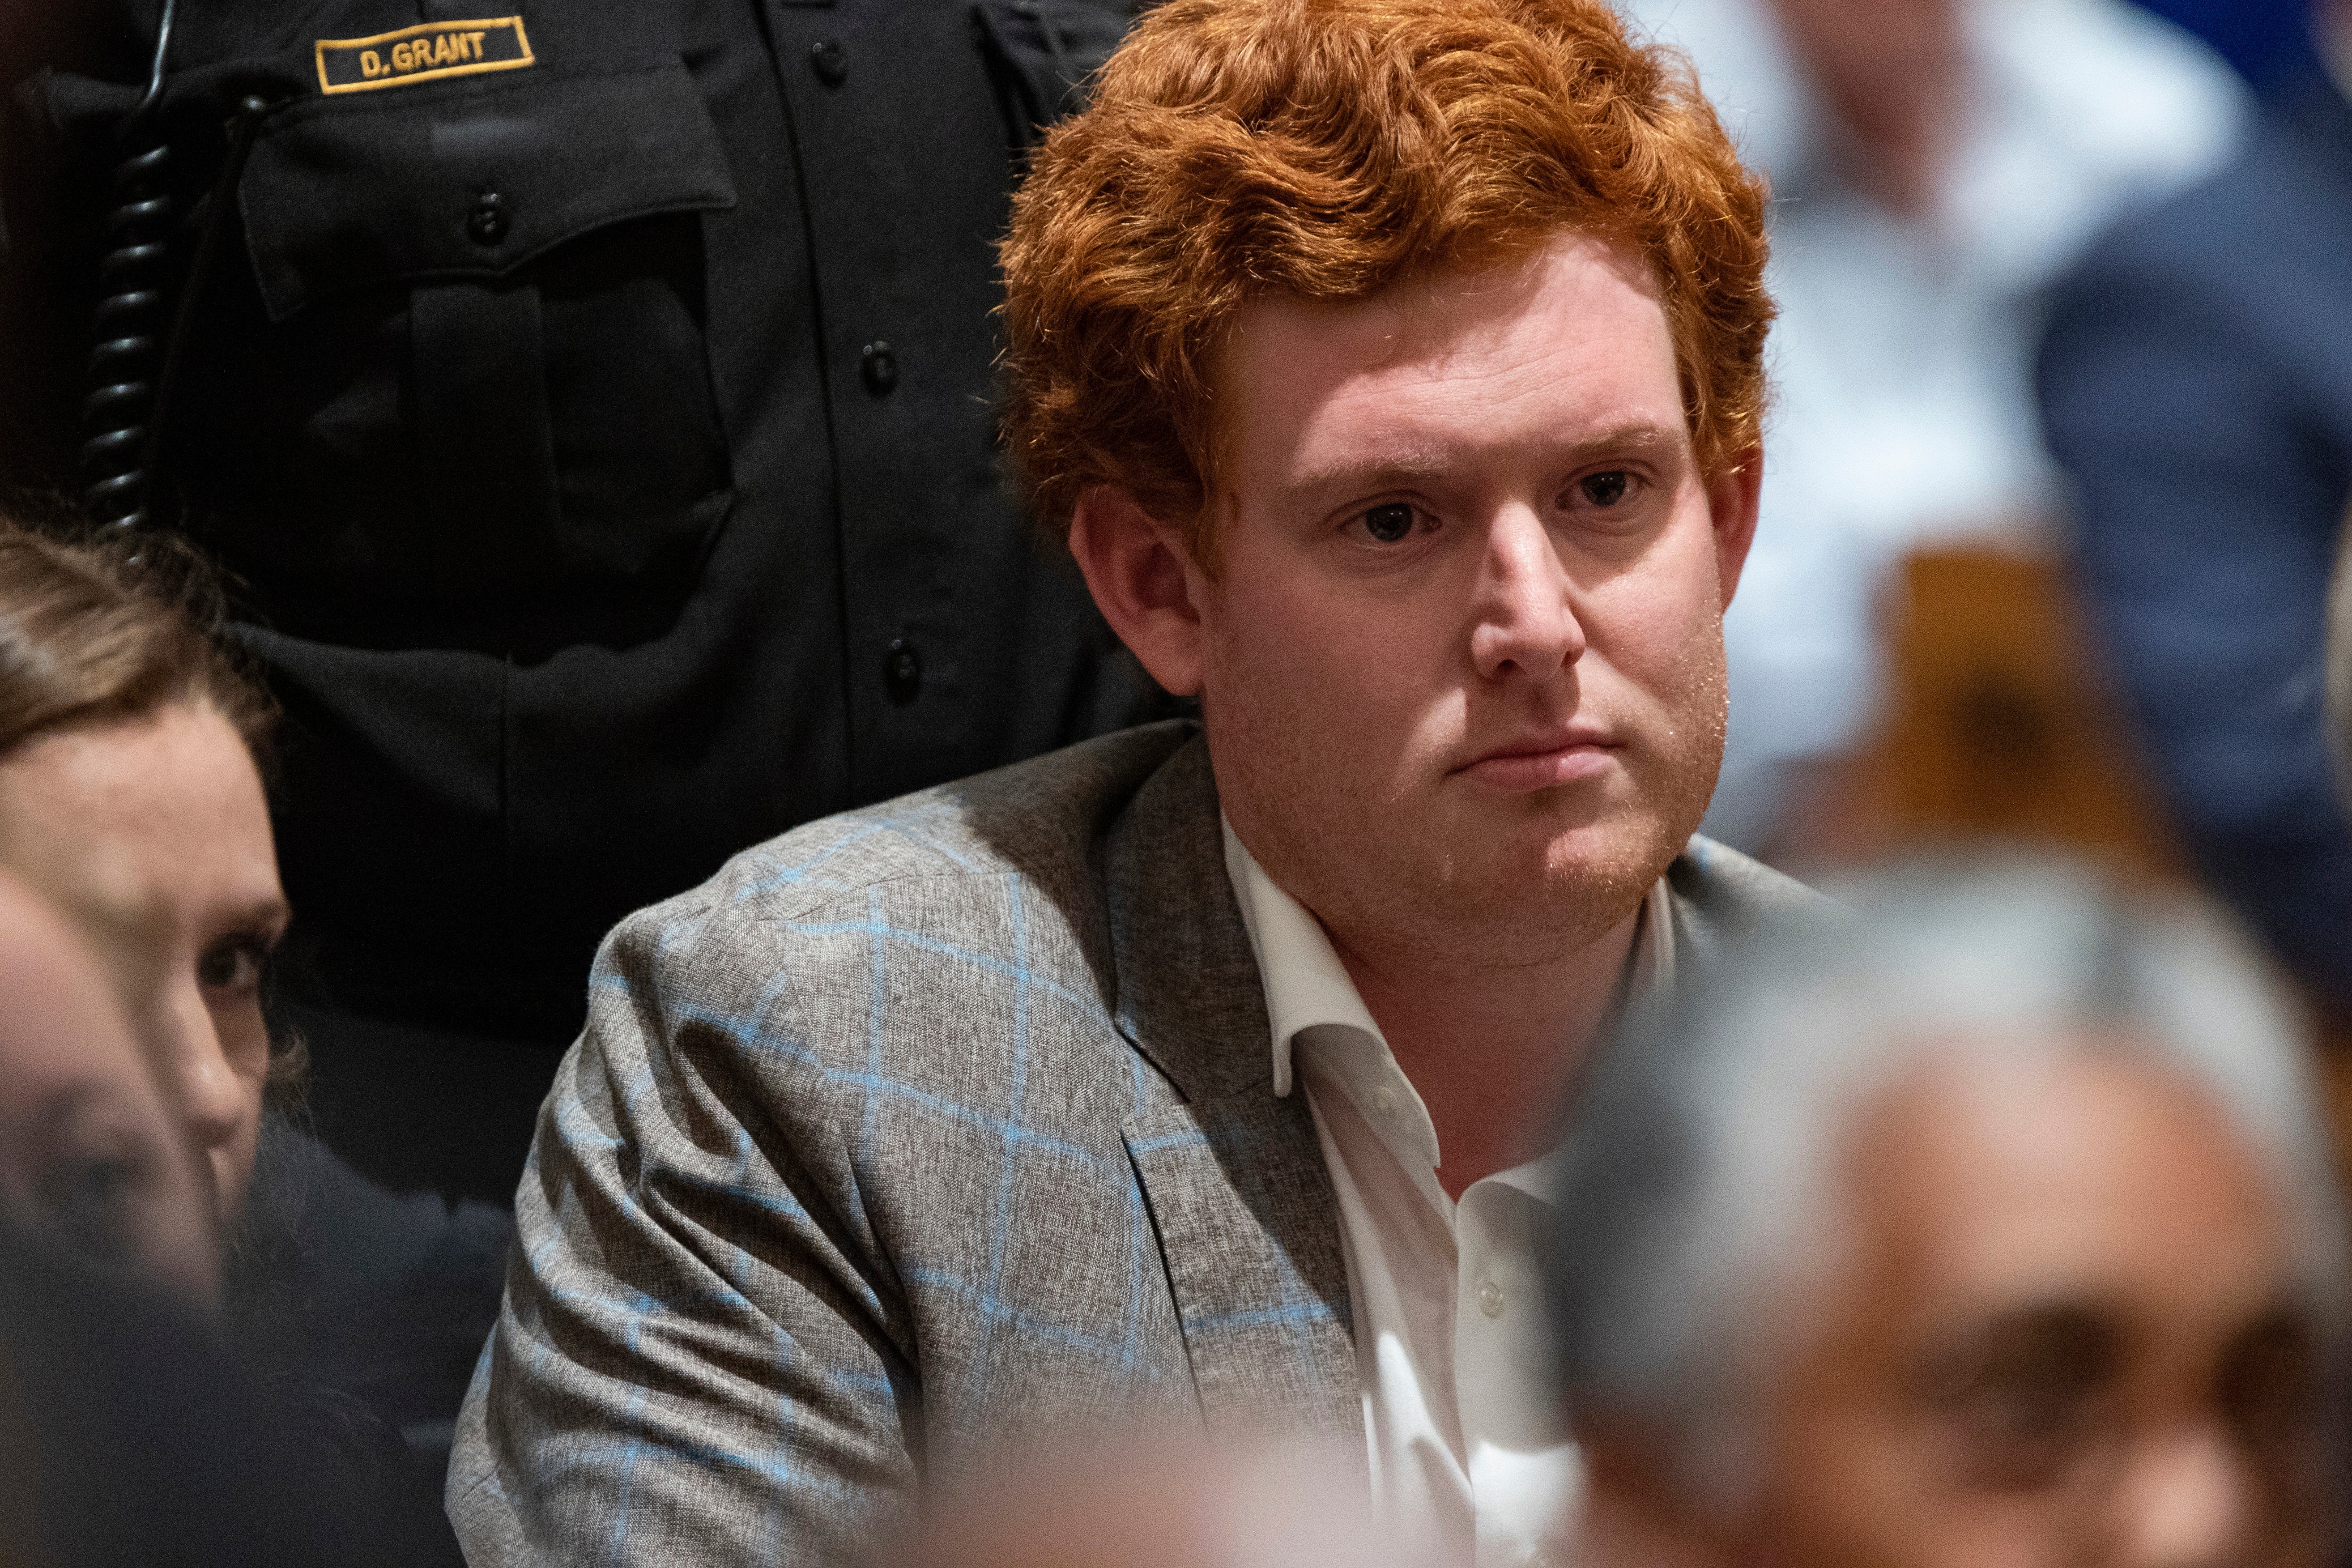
{"points": [[1605, 488], [231, 965], [1389, 523]]}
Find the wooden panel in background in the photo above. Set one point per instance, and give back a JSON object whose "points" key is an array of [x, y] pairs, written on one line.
{"points": [[1998, 724]]}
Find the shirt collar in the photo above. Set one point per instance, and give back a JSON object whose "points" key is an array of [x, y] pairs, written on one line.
{"points": [[1306, 985]]}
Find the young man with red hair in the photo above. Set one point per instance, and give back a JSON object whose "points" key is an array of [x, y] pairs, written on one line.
{"points": [[1394, 367]]}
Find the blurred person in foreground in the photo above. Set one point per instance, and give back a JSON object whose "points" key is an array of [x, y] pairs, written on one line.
{"points": [[1126, 1503], [2197, 383], [2003, 1229], [90, 1158], [126, 1436], [132, 796], [1935, 165], [1394, 367]]}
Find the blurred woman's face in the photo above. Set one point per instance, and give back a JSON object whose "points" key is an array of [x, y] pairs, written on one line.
{"points": [[155, 834], [88, 1156]]}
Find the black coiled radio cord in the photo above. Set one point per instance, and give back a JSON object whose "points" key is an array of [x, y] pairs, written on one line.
{"points": [[132, 360]]}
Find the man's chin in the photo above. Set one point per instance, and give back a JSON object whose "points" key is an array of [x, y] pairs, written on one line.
{"points": [[1551, 892]]}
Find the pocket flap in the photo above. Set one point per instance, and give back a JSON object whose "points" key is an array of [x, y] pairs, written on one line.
{"points": [[342, 195]]}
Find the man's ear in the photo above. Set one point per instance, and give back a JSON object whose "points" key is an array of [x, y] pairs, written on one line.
{"points": [[1144, 584], [1732, 497]]}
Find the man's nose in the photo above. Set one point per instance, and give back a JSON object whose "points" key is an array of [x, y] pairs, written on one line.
{"points": [[1525, 616], [2188, 1503]]}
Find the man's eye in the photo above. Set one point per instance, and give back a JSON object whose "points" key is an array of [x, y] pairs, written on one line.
{"points": [[1606, 489], [234, 964], [1389, 523]]}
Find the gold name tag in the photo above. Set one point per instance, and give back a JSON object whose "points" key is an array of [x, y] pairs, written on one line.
{"points": [[423, 53]]}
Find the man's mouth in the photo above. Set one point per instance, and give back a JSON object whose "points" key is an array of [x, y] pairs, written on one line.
{"points": [[1543, 759]]}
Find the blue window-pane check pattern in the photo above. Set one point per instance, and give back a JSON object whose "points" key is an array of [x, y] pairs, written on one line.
{"points": [[838, 1191], [713, 1201]]}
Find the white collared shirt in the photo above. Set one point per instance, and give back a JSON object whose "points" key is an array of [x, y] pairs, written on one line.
{"points": [[1470, 1460]]}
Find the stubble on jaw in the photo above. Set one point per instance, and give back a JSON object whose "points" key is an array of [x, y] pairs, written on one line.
{"points": [[1332, 840]]}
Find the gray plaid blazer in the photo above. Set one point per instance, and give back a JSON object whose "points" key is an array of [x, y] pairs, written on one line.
{"points": [[916, 1131]]}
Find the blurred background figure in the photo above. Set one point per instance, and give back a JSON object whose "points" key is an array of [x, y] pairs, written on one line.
{"points": [[2002, 1230], [2267, 40], [1135, 1502], [2197, 381], [132, 796], [1934, 164]]}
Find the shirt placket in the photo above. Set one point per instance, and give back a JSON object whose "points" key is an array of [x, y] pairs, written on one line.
{"points": [[1523, 1473]]}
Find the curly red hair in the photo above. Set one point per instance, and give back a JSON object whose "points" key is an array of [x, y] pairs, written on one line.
{"points": [[1326, 149]]}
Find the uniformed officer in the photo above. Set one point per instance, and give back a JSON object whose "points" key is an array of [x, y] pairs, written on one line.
{"points": [[592, 393]]}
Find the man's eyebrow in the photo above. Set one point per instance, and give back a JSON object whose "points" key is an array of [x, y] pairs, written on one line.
{"points": [[1379, 474], [1641, 438]]}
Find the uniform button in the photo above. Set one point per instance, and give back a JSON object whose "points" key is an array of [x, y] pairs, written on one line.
{"points": [[1490, 1298], [832, 64], [878, 368], [488, 222], [902, 671], [1384, 1100]]}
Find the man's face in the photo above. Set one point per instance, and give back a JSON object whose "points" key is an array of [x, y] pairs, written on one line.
{"points": [[2061, 1332], [1462, 660]]}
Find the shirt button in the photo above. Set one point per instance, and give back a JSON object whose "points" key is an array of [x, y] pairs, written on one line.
{"points": [[1384, 1100], [832, 65], [487, 222], [1490, 1298], [878, 367], [902, 671]]}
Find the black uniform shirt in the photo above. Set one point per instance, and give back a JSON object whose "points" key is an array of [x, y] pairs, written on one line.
{"points": [[593, 394]]}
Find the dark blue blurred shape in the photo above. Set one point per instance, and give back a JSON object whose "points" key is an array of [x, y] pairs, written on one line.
{"points": [[2197, 381], [2265, 39]]}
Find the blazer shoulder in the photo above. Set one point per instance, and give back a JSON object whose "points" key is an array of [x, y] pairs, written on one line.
{"points": [[1044, 819], [955, 860]]}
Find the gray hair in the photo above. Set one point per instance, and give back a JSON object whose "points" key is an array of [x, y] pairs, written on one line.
{"points": [[1696, 1181]]}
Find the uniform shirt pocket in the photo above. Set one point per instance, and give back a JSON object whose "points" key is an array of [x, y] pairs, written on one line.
{"points": [[485, 301]]}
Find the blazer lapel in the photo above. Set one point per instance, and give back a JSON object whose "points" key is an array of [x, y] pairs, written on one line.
{"points": [[1248, 1227], [1250, 1237]]}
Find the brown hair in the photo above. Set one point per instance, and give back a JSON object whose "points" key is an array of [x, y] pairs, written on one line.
{"points": [[96, 629], [1326, 149]]}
